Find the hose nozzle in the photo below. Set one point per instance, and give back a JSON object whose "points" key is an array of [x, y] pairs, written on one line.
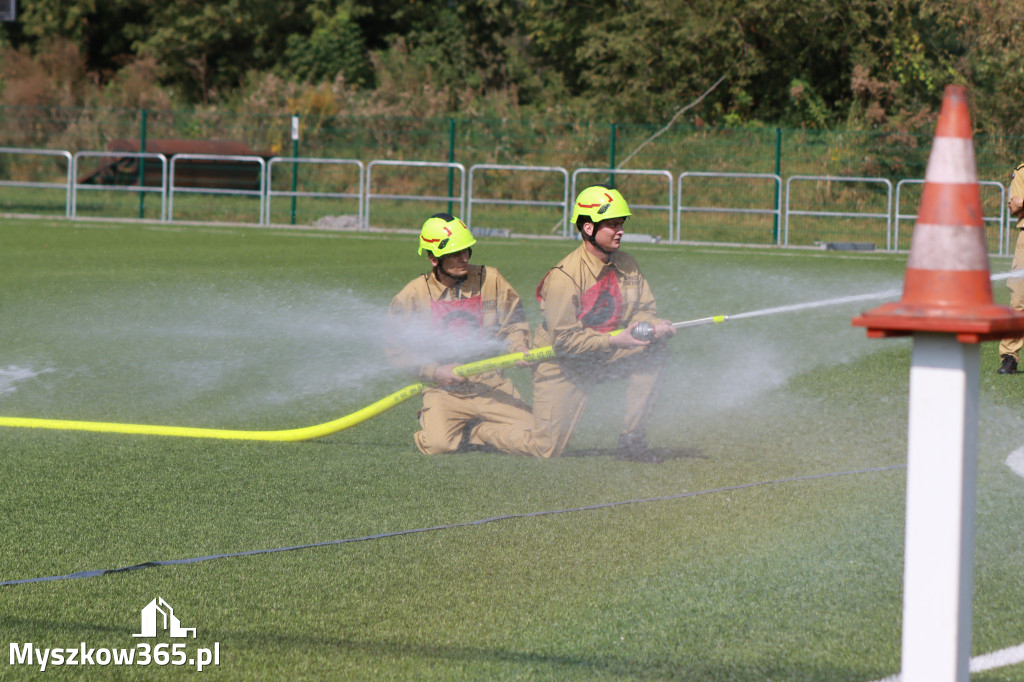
{"points": [[643, 331]]}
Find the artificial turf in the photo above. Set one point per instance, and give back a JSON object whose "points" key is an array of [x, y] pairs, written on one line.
{"points": [[767, 547]]}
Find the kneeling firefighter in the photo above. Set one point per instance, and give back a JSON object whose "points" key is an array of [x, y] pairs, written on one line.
{"points": [[444, 317]]}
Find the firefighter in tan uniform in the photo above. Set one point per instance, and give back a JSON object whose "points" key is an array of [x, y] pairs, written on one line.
{"points": [[594, 290], [460, 306], [1009, 349]]}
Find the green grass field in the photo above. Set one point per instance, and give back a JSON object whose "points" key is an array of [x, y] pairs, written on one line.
{"points": [[769, 545]]}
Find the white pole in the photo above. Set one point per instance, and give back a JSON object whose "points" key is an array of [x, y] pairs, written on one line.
{"points": [[941, 474]]}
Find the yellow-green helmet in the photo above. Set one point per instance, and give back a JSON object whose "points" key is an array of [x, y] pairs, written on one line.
{"points": [[599, 203], [443, 233]]}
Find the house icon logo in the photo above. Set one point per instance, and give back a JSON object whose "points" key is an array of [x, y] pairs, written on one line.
{"points": [[159, 614]]}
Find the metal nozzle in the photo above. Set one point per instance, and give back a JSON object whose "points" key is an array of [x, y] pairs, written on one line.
{"points": [[644, 331]]}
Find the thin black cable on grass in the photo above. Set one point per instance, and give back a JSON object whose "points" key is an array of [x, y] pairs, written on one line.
{"points": [[603, 505]]}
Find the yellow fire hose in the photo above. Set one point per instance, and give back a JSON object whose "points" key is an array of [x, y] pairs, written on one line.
{"points": [[317, 430], [305, 433]]}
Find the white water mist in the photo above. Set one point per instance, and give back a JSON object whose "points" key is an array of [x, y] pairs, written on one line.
{"points": [[212, 355]]}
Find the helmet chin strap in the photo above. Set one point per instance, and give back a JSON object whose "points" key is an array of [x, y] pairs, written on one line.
{"points": [[592, 238], [458, 279]]}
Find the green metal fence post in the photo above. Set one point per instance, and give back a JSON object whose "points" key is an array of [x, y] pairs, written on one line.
{"points": [[142, 166], [611, 154], [295, 166], [778, 172], [451, 159]]}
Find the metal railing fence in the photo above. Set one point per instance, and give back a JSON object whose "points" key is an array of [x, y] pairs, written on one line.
{"points": [[294, 193], [775, 211], [36, 184], [823, 200], [635, 205], [141, 189], [507, 141], [260, 193], [369, 195], [788, 211], [562, 203], [1002, 238]]}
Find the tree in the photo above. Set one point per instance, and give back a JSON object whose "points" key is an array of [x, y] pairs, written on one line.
{"points": [[336, 46], [206, 48], [866, 64]]}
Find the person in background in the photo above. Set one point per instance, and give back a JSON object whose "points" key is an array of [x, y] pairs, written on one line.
{"points": [[1009, 349], [459, 308]]}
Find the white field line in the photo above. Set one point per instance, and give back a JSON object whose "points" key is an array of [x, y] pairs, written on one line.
{"points": [[1004, 657], [998, 659], [1016, 462], [315, 235], [979, 664]]}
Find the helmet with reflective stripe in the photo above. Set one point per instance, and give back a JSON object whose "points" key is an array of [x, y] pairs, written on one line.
{"points": [[597, 203], [443, 233]]}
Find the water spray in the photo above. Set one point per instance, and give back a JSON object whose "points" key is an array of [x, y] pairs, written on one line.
{"points": [[299, 434], [642, 330], [645, 330]]}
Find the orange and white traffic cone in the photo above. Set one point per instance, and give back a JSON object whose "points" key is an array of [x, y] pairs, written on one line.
{"points": [[948, 288], [947, 306]]}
